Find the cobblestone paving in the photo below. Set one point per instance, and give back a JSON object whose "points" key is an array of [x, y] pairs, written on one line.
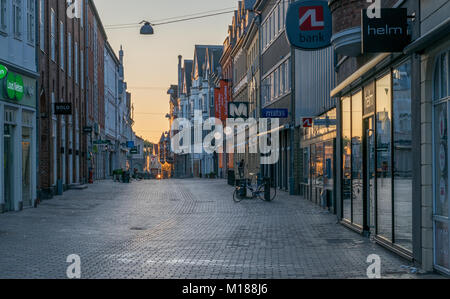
{"points": [[182, 229]]}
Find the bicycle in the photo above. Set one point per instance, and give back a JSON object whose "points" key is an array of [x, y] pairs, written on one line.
{"points": [[257, 191]]}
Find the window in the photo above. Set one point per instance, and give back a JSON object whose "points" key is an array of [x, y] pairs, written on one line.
{"points": [[61, 45], [403, 165], [383, 157], [277, 83], [17, 18], [42, 24], [441, 209], [69, 51], [3, 15], [357, 160], [30, 21], [82, 68], [53, 35], [76, 63]]}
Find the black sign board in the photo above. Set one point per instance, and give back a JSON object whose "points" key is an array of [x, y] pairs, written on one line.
{"points": [[387, 34], [369, 99], [63, 108], [134, 151], [87, 129], [238, 110]]}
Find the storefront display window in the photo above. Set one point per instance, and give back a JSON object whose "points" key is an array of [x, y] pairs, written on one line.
{"points": [[383, 157], [380, 158], [346, 159], [357, 160], [441, 162], [403, 162]]}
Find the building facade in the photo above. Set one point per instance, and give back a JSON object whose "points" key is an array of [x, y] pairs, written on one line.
{"points": [[276, 86], [379, 145], [62, 154], [430, 58], [112, 137], [18, 104]]}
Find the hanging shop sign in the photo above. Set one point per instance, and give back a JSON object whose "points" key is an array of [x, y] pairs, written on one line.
{"points": [[3, 71], [309, 25], [87, 130], [275, 113], [387, 34], [238, 110], [325, 122], [14, 87], [130, 144], [63, 108], [307, 122], [134, 151], [369, 99]]}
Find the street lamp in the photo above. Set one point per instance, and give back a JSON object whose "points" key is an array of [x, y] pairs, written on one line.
{"points": [[147, 28]]}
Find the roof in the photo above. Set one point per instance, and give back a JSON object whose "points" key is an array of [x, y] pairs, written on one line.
{"points": [[200, 59], [187, 73]]}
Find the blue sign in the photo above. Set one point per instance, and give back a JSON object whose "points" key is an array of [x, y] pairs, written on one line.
{"points": [[275, 113], [308, 25], [130, 144]]}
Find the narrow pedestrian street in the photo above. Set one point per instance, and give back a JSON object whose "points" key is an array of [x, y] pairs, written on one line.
{"points": [[183, 229]]}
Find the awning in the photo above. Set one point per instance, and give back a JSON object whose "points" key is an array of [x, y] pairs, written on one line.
{"points": [[436, 34], [359, 73]]}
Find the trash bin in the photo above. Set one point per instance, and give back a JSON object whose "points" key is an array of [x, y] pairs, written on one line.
{"points": [[126, 177], [59, 187], [231, 178]]}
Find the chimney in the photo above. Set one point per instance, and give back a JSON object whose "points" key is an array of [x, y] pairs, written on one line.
{"points": [[180, 58]]}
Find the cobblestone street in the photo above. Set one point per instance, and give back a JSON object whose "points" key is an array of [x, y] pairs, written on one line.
{"points": [[183, 229]]}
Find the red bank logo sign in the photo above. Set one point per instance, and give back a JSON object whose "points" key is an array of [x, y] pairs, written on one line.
{"points": [[311, 18]]}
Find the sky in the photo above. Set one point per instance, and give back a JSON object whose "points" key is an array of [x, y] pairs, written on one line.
{"points": [[151, 62]]}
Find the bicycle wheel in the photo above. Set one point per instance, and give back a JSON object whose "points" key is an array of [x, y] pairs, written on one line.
{"points": [[262, 194], [236, 196]]}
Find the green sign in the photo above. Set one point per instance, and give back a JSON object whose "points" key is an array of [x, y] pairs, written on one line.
{"points": [[3, 71], [14, 87]]}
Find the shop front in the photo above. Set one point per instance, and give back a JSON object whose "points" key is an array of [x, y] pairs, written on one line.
{"points": [[18, 141], [318, 147], [376, 155]]}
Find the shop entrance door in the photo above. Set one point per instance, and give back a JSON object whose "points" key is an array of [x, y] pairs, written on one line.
{"points": [[8, 137], [369, 176]]}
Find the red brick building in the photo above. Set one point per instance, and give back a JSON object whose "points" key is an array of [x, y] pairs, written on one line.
{"points": [[62, 144], [96, 38]]}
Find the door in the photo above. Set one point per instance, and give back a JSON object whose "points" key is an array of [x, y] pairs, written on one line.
{"points": [[8, 159], [26, 167], [369, 181]]}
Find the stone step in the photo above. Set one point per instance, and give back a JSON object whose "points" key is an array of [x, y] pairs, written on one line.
{"points": [[78, 186]]}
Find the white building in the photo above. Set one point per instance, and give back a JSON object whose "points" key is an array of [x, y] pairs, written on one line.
{"points": [[112, 135], [202, 99], [18, 94], [124, 118]]}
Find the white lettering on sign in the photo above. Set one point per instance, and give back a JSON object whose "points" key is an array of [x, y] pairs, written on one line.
{"points": [[312, 15], [240, 110]]}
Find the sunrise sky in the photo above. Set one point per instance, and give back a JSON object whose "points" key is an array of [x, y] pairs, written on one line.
{"points": [[151, 61]]}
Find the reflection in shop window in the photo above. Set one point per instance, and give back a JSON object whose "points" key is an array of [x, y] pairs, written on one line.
{"points": [[383, 168], [403, 158], [346, 159], [357, 160]]}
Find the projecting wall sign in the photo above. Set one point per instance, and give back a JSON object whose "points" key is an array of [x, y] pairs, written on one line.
{"points": [[308, 25], [386, 34], [14, 87], [3, 71]]}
